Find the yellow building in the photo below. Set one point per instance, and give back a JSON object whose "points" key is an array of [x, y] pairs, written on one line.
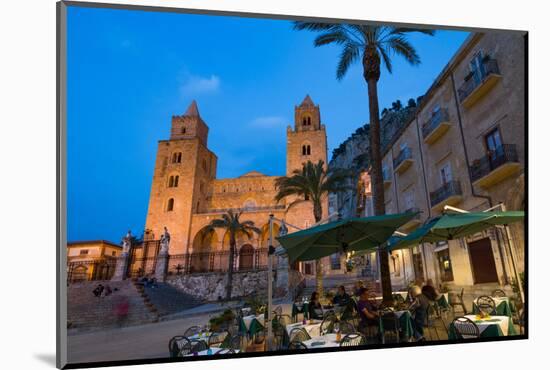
{"points": [[186, 195], [91, 260], [464, 147]]}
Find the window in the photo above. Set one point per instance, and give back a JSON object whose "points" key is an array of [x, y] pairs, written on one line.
{"points": [[493, 142], [113, 253], [409, 199], [83, 251], [176, 157], [173, 181], [170, 205], [477, 67], [183, 130], [306, 149], [444, 261], [445, 174], [306, 121]]}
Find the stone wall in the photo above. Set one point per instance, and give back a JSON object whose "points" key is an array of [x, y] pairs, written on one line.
{"points": [[210, 286]]}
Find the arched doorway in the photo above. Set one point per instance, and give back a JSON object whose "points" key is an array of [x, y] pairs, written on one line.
{"points": [[80, 273], [246, 257], [202, 257]]}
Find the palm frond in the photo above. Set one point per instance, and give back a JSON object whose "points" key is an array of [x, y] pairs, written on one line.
{"points": [[314, 26], [337, 37], [349, 55], [386, 58], [401, 46]]}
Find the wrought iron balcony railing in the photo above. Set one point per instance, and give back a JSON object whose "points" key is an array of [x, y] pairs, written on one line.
{"points": [[441, 115], [485, 165], [403, 155], [446, 191], [489, 67]]}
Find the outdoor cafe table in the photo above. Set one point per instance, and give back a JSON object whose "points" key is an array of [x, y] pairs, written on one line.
{"points": [[251, 324], [312, 327], [323, 341], [502, 304], [494, 326], [405, 323], [213, 351]]}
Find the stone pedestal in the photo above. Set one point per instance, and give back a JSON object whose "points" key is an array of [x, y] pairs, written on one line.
{"points": [[161, 268], [121, 267], [282, 284]]}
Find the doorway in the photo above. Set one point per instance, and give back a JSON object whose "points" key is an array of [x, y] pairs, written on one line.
{"points": [[246, 257], [483, 261]]}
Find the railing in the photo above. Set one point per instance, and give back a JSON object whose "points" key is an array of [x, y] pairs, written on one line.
{"points": [[403, 155], [483, 166], [489, 67], [205, 262], [447, 190], [86, 270], [244, 209], [441, 115]]}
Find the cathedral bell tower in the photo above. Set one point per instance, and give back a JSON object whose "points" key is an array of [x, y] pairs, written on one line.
{"points": [[307, 141]]}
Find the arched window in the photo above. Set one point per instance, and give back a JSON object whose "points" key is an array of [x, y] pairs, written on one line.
{"points": [[173, 181], [309, 121], [176, 157], [304, 121], [306, 149], [170, 205], [183, 130]]}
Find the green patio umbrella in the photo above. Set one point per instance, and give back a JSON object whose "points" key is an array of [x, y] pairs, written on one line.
{"points": [[454, 226], [354, 234]]}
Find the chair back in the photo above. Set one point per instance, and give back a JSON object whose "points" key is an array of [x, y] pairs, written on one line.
{"points": [[217, 338], [299, 334], [465, 328], [233, 342], [327, 326], [353, 339], [198, 345], [296, 345], [498, 293], [346, 327], [278, 310], [486, 304], [179, 346], [192, 331], [225, 351]]}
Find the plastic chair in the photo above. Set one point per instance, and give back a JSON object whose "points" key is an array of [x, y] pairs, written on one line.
{"points": [[390, 323], [193, 330], [179, 346], [294, 345], [457, 300], [299, 334], [353, 339], [486, 304], [499, 293]]}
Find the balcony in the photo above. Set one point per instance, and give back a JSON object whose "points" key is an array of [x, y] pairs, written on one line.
{"points": [[415, 221], [495, 167], [436, 126], [403, 160], [474, 89], [449, 194]]}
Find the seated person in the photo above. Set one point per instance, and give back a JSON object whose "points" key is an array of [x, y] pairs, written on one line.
{"points": [[315, 308], [429, 290], [367, 311], [419, 310], [341, 298], [358, 286]]}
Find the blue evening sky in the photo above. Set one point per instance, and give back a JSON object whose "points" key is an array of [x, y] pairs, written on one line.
{"points": [[130, 71]]}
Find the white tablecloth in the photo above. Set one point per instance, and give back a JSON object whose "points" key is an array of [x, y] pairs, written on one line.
{"points": [[313, 329], [205, 352], [327, 340], [503, 322], [248, 319]]}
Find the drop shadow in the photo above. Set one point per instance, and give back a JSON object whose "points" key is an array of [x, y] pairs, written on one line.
{"points": [[47, 358]]}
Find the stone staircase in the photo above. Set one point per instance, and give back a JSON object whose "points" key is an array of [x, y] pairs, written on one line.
{"points": [[168, 300], [85, 311]]}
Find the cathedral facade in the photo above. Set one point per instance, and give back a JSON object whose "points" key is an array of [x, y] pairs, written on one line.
{"points": [[186, 195]]}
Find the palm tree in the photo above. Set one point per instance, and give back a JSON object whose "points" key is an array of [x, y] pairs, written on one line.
{"points": [[372, 45], [231, 223], [312, 184]]}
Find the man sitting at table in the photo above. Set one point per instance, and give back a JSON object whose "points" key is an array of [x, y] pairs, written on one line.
{"points": [[315, 308], [358, 286], [341, 298], [419, 310], [429, 290], [367, 311]]}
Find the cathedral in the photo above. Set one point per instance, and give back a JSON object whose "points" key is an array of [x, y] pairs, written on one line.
{"points": [[186, 195]]}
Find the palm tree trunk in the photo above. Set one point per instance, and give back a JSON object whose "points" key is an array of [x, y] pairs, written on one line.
{"points": [[318, 214], [378, 181], [230, 270]]}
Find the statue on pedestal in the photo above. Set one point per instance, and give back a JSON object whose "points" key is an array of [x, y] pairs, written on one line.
{"points": [[127, 242], [164, 241]]}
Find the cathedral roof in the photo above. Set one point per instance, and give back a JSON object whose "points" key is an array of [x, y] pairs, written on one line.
{"points": [[252, 174], [192, 110], [307, 101]]}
